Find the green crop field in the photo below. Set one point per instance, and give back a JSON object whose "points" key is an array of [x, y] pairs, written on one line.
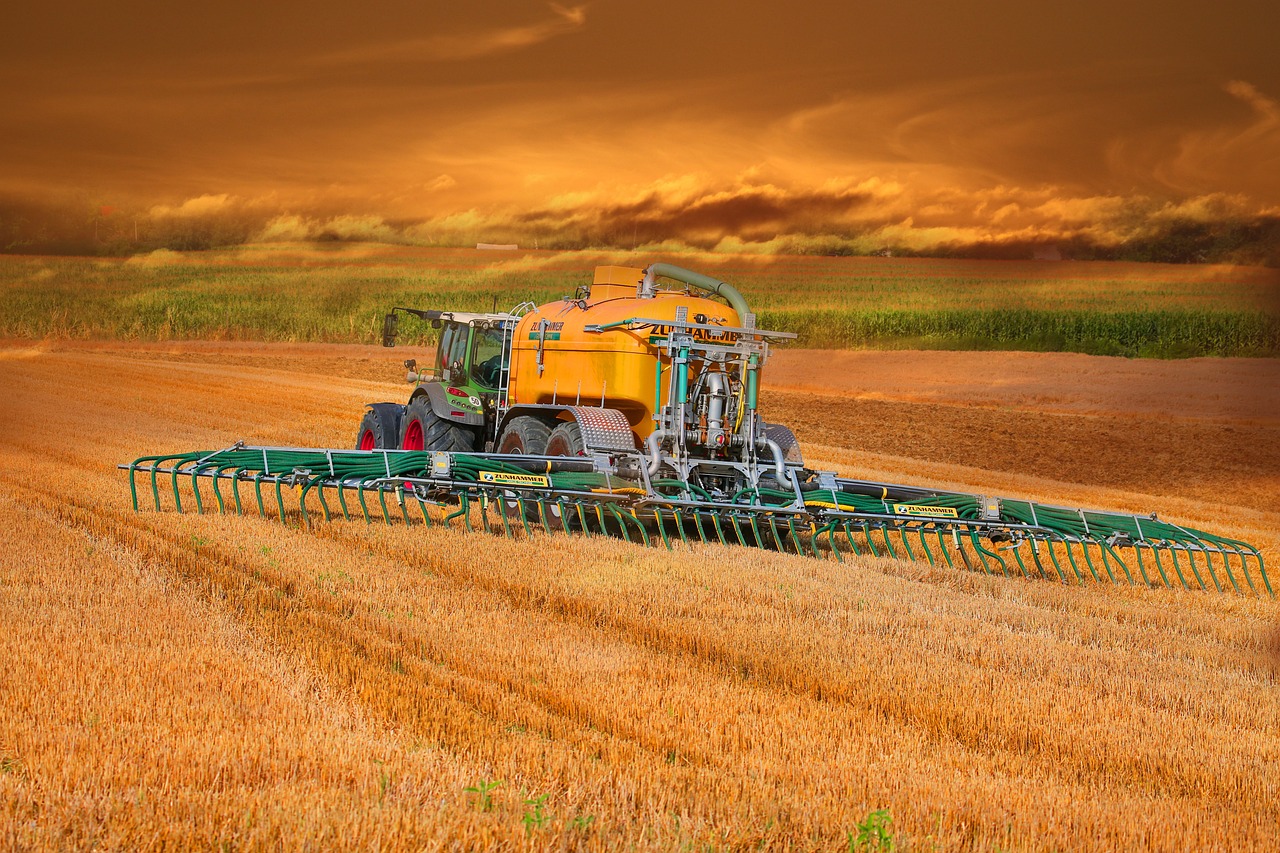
{"points": [[338, 293]]}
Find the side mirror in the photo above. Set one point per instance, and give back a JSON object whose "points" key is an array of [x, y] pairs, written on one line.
{"points": [[390, 324]]}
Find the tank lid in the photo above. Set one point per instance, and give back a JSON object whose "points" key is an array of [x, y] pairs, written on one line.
{"points": [[614, 282]]}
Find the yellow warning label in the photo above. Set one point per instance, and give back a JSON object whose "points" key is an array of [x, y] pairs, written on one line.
{"points": [[929, 511], [514, 479]]}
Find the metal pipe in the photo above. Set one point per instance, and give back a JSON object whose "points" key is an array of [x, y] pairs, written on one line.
{"points": [[654, 443], [779, 466]]}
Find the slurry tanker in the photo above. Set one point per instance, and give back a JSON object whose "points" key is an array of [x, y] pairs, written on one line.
{"points": [[631, 409]]}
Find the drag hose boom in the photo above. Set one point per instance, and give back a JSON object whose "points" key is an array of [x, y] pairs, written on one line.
{"points": [[632, 409], [810, 513]]}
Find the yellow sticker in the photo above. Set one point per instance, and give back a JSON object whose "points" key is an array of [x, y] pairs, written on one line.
{"points": [[514, 479], [929, 511]]}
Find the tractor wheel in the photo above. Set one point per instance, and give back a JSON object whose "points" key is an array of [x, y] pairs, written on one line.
{"points": [[423, 429], [526, 435], [376, 434], [566, 440]]}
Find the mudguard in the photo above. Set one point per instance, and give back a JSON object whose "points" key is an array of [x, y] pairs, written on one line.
{"points": [[457, 408], [787, 441], [605, 430]]}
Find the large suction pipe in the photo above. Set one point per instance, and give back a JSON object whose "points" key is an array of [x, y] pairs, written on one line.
{"points": [[694, 279], [779, 460], [654, 445]]}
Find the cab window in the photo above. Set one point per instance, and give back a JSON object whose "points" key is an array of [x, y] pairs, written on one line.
{"points": [[442, 349], [453, 346], [486, 357]]}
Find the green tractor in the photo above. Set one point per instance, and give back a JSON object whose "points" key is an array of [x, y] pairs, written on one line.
{"points": [[454, 404]]}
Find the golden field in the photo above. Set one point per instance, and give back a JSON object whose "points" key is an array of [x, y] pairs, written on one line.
{"points": [[222, 682]]}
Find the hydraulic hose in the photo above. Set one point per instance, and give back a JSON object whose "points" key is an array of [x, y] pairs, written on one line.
{"points": [[703, 282]]}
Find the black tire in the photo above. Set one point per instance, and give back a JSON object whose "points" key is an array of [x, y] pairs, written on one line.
{"points": [[525, 435], [528, 436], [566, 440], [378, 431], [423, 429]]}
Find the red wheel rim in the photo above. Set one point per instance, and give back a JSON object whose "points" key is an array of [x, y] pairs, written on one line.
{"points": [[413, 435], [367, 441]]}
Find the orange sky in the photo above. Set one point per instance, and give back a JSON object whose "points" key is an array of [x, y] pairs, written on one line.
{"points": [[711, 122]]}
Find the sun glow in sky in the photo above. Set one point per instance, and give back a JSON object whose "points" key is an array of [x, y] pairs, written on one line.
{"points": [[710, 123]]}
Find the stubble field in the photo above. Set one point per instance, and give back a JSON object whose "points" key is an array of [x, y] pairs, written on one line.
{"points": [[220, 682]]}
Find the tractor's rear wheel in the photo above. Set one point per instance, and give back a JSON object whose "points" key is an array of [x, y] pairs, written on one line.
{"points": [[376, 434], [423, 429], [525, 435]]}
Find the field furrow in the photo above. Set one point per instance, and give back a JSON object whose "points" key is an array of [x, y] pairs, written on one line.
{"points": [[707, 695]]}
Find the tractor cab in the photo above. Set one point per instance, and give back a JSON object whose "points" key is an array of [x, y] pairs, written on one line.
{"points": [[470, 354], [454, 403]]}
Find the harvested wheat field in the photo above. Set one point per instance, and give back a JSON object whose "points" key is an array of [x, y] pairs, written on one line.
{"points": [[230, 682]]}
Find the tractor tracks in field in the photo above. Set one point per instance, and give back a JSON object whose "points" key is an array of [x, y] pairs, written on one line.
{"points": [[855, 693], [443, 694], [412, 687], [417, 686]]}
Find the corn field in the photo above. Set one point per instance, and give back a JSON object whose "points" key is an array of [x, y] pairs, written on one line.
{"points": [[339, 294]]}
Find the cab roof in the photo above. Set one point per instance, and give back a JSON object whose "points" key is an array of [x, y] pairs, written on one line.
{"points": [[458, 316]]}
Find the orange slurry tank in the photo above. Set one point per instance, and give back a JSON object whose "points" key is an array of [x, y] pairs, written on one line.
{"points": [[555, 358]]}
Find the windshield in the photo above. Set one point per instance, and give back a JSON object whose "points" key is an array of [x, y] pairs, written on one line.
{"points": [[486, 357], [453, 344]]}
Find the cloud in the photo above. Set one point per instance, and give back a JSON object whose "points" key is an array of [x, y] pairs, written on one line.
{"points": [[1235, 154], [454, 47], [837, 216], [750, 215], [443, 182], [292, 228], [199, 206], [1266, 107]]}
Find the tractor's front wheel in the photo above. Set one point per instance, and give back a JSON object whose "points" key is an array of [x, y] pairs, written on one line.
{"points": [[423, 429]]}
